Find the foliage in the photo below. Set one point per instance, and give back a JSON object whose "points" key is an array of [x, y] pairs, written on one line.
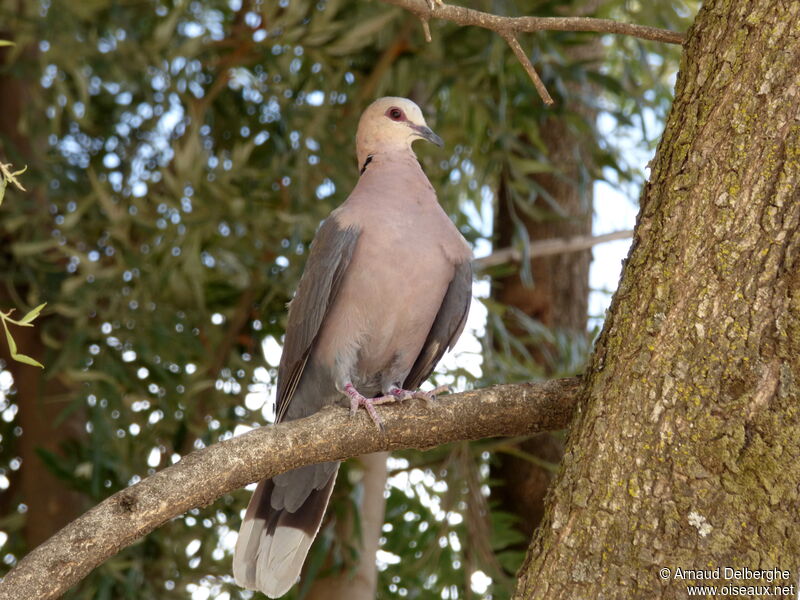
{"points": [[8, 176], [26, 321], [189, 151]]}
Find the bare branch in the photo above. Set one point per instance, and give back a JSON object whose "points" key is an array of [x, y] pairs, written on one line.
{"points": [[509, 27], [426, 29], [548, 247], [466, 16], [528, 66], [203, 476]]}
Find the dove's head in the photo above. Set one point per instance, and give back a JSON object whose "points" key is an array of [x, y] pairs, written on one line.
{"points": [[391, 124]]}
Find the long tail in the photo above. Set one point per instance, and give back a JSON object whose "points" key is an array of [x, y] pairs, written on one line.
{"points": [[273, 542]]}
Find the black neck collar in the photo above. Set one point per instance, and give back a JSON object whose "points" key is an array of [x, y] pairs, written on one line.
{"points": [[366, 162]]}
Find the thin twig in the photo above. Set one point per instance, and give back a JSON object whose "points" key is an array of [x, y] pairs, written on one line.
{"points": [[528, 66], [426, 29], [548, 248]]}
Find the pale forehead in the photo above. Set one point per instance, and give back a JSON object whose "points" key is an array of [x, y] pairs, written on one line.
{"points": [[381, 105]]}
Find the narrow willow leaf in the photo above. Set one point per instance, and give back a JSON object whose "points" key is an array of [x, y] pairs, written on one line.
{"points": [[12, 345], [29, 318], [362, 34], [27, 360], [33, 248], [11, 177], [12, 348]]}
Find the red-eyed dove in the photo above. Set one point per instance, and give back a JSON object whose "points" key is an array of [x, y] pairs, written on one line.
{"points": [[385, 292]]}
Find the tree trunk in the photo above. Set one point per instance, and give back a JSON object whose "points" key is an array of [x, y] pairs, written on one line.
{"points": [[559, 298], [50, 505], [360, 583], [686, 451]]}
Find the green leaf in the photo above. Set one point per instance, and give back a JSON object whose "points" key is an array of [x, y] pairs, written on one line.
{"points": [[12, 348], [530, 166], [7, 43], [12, 345], [29, 318], [21, 249], [362, 34], [27, 360], [7, 176]]}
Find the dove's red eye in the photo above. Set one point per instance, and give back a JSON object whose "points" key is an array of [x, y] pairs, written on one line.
{"points": [[395, 114]]}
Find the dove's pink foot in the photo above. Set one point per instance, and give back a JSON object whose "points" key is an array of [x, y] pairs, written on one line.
{"points": [[357, 399], [396, 394], [401, 394]]}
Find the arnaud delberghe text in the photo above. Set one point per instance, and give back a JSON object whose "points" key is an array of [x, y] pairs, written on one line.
{"points": [[742, 574]]}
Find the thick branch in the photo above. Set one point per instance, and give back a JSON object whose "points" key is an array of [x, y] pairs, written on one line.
{"points": [[503, 25], [203, 476]]}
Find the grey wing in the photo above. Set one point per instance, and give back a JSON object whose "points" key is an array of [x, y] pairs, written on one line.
{"points": [[328, 260], [447, 326]]}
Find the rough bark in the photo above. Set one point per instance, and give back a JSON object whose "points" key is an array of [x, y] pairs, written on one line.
{"points": [[687, 450], [203, 476]]}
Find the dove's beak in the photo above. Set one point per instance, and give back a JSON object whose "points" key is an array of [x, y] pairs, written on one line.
{"points": [[427, 134]]}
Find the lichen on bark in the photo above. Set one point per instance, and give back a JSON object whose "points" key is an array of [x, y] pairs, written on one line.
{"points": [[687, 450]]}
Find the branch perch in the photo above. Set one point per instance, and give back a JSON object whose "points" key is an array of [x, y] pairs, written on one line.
{"points": [[548, 247], [201, 477], [509, 27]]}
